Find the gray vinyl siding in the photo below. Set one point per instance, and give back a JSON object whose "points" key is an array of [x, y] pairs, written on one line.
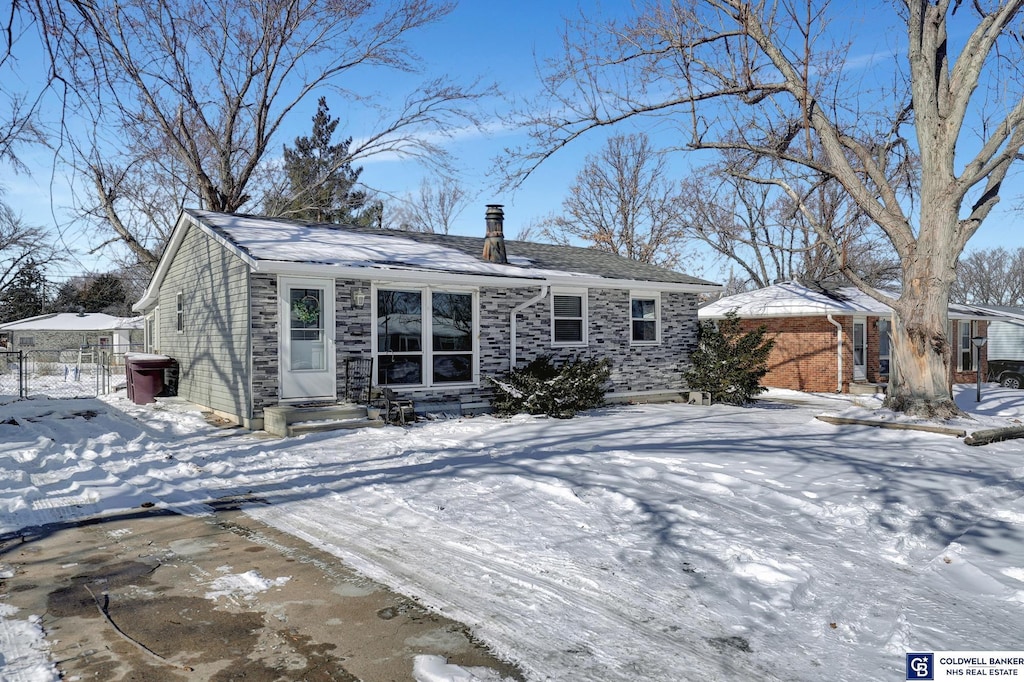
{"points": [[213, 351]]}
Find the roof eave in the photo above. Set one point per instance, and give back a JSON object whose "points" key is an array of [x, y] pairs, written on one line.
{"points": [[185, 220], [396, 274]]}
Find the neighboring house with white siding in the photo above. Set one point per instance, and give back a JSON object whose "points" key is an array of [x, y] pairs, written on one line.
{"points": [[56, 332], [1005, 335], [263, 312]]}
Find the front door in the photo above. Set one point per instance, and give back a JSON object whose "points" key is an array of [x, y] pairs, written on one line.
{"points": [[860, 365], [306, 311]]}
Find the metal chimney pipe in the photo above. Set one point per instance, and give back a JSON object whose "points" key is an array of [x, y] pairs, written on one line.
{"points": [[494, 243]]}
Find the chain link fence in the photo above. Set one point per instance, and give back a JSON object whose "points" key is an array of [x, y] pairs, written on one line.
{"points": [[65, 373]]}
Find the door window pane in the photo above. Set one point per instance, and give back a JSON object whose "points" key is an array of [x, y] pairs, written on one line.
{"points": [[306, 329], [858, 343], [883, 347]]}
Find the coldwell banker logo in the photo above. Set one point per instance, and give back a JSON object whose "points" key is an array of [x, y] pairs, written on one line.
{"points": [[919, 667]]}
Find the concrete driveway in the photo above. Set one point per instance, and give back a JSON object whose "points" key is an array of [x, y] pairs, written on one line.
{"points": [[158, 596]]}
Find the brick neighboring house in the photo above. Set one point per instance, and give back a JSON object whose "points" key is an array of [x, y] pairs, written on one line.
{"points": [[835, 339], [262, 313]]}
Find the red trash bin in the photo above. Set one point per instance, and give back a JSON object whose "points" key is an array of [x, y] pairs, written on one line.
{"points": [[145, 374]]}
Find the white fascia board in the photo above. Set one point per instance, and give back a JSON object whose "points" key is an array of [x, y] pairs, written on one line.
{"points": [[582, 281], [185, 221], [773, 316], [388, 274], [392, 274]]}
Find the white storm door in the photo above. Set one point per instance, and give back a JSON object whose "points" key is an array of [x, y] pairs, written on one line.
{"points": [[307, 330], [860, 347]]}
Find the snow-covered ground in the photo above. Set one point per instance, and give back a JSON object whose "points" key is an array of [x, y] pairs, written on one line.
{"points": [[659, 542]]}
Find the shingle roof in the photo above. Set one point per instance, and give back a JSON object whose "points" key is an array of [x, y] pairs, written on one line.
{"points": [[795, 299], [320, 243]]}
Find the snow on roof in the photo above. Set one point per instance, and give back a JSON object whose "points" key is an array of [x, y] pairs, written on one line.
{"points": [[59, 322], [792, 299], [272, 240]]}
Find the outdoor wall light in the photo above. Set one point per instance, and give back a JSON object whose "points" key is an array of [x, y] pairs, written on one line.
{"points": [[358, 297], [978, 342]]}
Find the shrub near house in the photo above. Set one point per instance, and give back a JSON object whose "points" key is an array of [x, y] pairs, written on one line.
{"points": [[728, 363], [542, 388]]}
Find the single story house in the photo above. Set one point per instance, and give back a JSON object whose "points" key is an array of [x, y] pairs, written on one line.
{"points": [[1006, 334], [87, 332], [836, 339], [262, 312]]}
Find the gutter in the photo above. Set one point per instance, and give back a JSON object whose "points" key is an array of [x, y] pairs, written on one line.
{"points": [[839, 353], [512, 322]]}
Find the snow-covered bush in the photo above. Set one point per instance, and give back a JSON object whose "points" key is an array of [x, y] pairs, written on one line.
{"points": [[542, 388], [728, 363]]}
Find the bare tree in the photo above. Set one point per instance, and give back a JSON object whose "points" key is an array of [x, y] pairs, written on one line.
{"points": [[623, 202], [18, 124], [755, 226], [434, 208], [21, 246], [767, 79], [990, 276], [203, 88]]}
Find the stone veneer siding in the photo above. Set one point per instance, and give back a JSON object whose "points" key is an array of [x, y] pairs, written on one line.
{"points": [[635, 369]]}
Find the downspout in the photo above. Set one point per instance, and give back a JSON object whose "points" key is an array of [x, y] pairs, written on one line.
{"points": [[512, 323], [839, 353]]}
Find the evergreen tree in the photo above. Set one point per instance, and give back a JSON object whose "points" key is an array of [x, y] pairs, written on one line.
{"points": [[25, 296], [729, 363], [104, 293], [319, 179]]}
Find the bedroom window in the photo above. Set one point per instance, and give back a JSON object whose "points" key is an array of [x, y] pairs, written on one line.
{"points": [[179, 312], [568, 318], [645, 319], [425, 337]]}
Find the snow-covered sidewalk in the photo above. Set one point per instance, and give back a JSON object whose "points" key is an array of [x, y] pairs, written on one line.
{"points": [[661, 542]]}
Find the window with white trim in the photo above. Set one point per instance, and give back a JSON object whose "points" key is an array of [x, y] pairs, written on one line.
{"points": [[569, 318], [645, 318], [179, 312], [425, 337], [966, 347]]}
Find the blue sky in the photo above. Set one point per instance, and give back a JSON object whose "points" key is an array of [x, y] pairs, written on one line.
{"points": [[501, 43]]}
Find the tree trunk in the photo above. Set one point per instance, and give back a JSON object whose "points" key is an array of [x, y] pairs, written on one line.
{"points": [[920, 382]]}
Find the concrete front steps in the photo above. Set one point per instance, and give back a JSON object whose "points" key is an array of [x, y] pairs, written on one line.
{"points": [[865, 388], [294, 420]]}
